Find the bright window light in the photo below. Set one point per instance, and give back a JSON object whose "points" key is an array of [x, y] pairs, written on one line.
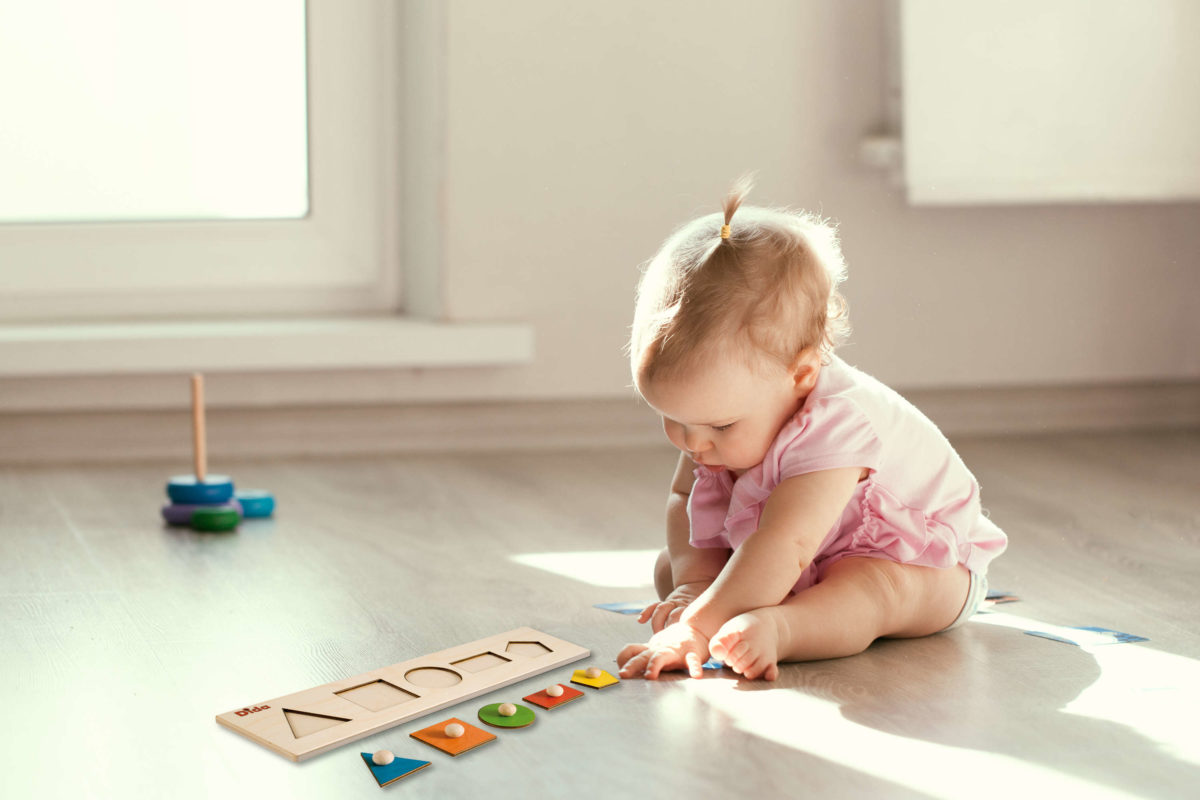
{"points": [[145, 110], [616, 569], [818, 728], [1139, 687]]}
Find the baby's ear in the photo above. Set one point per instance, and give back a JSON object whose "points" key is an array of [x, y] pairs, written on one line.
{"points": [[805, 369]]}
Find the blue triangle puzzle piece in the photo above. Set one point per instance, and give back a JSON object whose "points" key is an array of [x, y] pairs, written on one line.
{"points": [[390, 773]]}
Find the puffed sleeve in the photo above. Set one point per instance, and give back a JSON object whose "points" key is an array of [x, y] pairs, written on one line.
{"points": [[833, 432], [707, 507]]}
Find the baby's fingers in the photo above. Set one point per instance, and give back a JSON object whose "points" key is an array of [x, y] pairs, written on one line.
{"points": [[695, 668], [662, 659], [675, 615], [630, 651], [662, 615], [633, 660], [647, 612]]}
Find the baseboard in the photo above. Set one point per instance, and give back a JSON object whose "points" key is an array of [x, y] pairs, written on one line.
{"points": [[56, 437], [325, 431], [1054, 409]]}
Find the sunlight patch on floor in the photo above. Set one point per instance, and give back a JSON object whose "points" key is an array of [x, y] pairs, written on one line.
{"points": [[817, 727], [616, 569], [1139, 687]]}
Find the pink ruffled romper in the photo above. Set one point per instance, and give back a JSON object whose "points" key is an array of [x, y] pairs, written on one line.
{"points": [[920, 504]]}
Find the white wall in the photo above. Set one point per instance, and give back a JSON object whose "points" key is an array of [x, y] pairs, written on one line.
{"points": [[579, 135]]}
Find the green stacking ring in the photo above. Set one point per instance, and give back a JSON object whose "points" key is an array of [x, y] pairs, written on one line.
{"points": [[215, 519]]}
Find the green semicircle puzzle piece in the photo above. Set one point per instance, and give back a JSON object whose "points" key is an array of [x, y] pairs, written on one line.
{"points": [[491, 715]]}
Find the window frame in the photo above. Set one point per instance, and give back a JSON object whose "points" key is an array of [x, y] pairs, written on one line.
{"points": [[343, 257]]}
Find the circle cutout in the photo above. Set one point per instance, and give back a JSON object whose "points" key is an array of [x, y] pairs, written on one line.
{"points": [[433, 677]]}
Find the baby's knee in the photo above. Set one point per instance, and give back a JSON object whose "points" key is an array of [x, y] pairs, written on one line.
{"points": [[916, 600], [664, 580]]}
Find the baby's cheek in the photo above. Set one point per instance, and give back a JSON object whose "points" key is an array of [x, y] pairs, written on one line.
{"points": [[674, 433], [752, 453], [739, 455]]}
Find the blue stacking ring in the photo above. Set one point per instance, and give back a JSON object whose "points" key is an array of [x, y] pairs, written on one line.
{"points": [[256, 503], [186, 490]]}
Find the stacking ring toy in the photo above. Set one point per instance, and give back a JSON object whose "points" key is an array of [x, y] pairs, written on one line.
{"points": [[208, 491], [255, 502], [215, 519], [179, 514]]}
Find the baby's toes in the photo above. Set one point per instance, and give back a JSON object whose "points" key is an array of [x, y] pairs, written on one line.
{"points": [[741, 657], [756, 667], [726, 645], [717, 648]]}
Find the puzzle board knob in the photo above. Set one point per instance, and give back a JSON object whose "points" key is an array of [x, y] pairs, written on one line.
{"points": [[592, 672], [555, 691], [506, 710], [383, 757], [454, 730]]}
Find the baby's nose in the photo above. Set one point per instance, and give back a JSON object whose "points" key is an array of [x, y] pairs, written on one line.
{"points": [[695, 441]]}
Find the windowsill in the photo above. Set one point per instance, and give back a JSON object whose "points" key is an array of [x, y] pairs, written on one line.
{"points": [[268, 344]]}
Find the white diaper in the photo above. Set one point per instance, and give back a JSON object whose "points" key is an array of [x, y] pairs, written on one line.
{"points": [[976, 594]]}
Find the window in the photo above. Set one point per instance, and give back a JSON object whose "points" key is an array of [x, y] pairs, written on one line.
{"points": [[198, 158]]}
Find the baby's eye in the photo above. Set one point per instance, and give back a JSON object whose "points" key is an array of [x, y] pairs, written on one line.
{"points": [[722, 427]]}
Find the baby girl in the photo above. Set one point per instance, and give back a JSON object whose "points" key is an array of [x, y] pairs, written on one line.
{"points": [[813, 509]]}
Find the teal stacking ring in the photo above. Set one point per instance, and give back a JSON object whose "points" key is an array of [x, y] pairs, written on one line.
{"points": [[186, 490], [256, 502]]}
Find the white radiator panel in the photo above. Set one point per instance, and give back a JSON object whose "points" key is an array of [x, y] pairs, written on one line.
{"points": [[1025, 101]]}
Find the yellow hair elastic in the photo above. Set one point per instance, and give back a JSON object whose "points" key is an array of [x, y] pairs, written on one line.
{"points": [[724, 231]]}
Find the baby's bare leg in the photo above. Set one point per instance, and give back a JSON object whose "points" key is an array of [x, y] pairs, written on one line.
{"points": [[858, 601]]}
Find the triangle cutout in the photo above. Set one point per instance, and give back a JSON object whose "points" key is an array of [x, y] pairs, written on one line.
{"points": [[304, 723]]}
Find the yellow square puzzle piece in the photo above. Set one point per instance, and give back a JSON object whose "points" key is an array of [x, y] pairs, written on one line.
{"points": [[599, 681]]}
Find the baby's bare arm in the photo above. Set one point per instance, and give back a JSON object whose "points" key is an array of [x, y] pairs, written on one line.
{"points": [[689, 564], [692, 569], [794, 522], [760, 573]]}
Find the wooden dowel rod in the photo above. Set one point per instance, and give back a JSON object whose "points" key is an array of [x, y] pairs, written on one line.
{"points": [[199, 455]]}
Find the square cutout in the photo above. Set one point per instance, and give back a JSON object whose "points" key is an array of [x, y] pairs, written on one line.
{"points": [[377, 695]]}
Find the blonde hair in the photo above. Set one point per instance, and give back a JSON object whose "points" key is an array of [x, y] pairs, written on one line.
{"points": [[765, 285]]}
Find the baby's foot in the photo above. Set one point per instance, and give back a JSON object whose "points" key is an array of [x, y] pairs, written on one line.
{"points": [[749, 644]]}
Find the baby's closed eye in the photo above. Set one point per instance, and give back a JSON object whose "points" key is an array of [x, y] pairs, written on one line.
{"points": [[722, 427]]}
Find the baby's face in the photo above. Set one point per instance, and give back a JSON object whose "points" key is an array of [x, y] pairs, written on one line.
{"points": [[725, 415]]}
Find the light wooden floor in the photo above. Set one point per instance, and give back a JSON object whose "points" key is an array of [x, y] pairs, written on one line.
{"points": [[121, 639]]}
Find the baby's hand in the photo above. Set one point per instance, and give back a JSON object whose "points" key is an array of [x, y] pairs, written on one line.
{"points": [[678, 646], [667, 612]]}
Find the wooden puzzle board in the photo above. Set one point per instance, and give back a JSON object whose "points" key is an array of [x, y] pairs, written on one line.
{"points": [[307, 723]]}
